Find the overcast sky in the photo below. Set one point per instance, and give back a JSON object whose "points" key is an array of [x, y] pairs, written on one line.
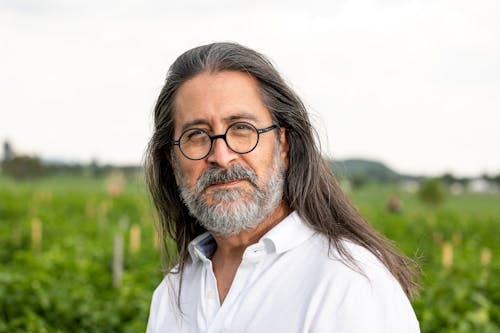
{"points": [[414, 84]]}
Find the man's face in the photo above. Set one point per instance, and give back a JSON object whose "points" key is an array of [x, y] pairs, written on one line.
{"points": [[247, 187]]}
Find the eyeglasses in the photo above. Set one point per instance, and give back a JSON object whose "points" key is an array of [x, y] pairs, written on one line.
{"points": [[241, 137]]}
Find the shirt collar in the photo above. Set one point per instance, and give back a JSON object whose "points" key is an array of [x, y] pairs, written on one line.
{"points": [[286, 235], [202, 247]]}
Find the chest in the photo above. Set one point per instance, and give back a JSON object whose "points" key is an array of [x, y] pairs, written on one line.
{"points": [[265, 296]]}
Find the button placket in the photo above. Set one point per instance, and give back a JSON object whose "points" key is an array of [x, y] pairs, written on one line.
{"points": [[246, 274], [210, 295], [225, 314], [239, 285]]}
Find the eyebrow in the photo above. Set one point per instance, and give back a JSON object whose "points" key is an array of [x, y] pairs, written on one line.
{"points": [[231, 118], [192, 123], [240, 116]]}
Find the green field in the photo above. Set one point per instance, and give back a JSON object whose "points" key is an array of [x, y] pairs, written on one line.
{"points": [[57, 240]]}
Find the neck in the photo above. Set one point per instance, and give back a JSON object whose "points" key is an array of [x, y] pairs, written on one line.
{"points": [[234, 246]]}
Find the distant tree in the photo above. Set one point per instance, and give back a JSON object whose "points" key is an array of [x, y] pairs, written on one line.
{"points": [[492, 178], [496, 179], [449, 179], [8, 152], [432, 191], [464, 181], [23, 167], [94, 167]]}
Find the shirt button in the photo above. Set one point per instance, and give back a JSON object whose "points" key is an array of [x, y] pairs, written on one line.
{"points": [[210, 294]]}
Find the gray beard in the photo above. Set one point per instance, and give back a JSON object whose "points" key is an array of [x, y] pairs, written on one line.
{"points": [[233, 210]]}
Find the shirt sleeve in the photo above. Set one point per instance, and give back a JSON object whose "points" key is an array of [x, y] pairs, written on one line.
{"points": [[153, 311], [376, 305], [159, 305]]}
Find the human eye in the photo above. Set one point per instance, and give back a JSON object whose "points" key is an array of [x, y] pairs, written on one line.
{"points": [[195, 136], [242, 128]]}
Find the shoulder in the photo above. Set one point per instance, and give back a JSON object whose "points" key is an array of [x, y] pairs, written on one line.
{"points": [[360, 268], [169, 286], [160, 303], [328, 257], [315, 251], [164, 308], [363, 261], [363, 288]]}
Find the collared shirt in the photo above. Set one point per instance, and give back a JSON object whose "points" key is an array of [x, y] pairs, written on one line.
{"points": [[290, 281]]}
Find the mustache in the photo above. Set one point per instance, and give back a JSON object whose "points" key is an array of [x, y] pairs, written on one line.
{"points": [[216, 175]]}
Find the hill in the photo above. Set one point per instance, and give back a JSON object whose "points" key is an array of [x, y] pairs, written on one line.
{"points": [[365, 169]]}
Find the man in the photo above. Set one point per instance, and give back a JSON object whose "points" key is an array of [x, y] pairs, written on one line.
{"points": [[266, 239]]}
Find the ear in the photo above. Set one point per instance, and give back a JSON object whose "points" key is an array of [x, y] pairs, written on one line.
{"points": [[284, 148]]}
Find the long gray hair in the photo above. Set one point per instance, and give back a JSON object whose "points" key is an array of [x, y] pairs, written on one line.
{"points": [[310, 187]]}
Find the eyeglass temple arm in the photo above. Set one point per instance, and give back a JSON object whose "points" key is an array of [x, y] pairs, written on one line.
{"points": [[267, 129]]}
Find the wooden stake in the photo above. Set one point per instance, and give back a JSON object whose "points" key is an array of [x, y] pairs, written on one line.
{"points": [[135, 238], [36, 234], [485, 256], [447, 255], [117, 260]]}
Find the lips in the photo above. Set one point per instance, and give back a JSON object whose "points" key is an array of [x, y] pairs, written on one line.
{"points": [[227, 182]]}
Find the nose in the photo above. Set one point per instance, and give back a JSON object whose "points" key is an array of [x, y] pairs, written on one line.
{"points": [[220, 154]]}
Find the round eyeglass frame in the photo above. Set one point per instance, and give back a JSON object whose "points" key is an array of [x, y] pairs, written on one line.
{"points": [[259, 131]]}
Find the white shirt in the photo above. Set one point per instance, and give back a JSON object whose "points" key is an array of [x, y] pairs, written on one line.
{"points": [[287, 282]]}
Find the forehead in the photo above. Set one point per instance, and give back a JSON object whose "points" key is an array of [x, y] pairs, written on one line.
{"points": [[216, 99]]}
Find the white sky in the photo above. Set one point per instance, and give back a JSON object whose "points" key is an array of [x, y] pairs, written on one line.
{"points": [[414, 84]]}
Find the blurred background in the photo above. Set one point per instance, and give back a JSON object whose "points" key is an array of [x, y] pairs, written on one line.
{"points": [[405, 96]]}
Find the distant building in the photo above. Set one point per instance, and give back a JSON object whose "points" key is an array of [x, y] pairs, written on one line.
{"points": [[410, 186], [480, 185], [456, 188]]}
